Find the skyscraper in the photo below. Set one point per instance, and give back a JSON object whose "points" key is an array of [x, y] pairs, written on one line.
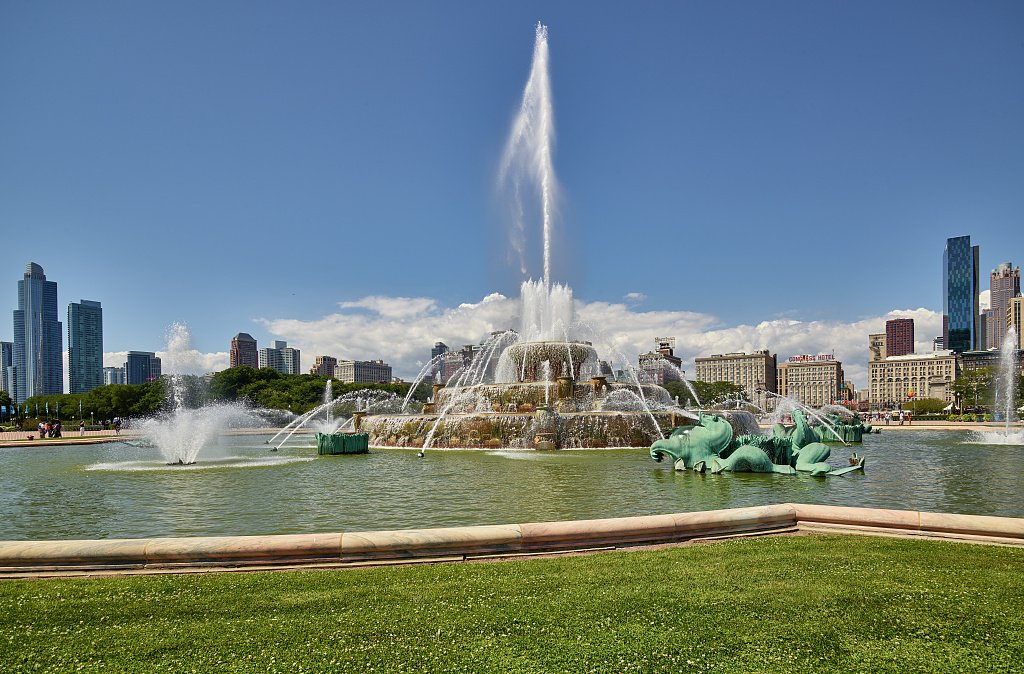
{"points": [[6, 365], [899, 337], [243, 350], [113, 375], [38, 342], [960, 315], [1015, 319], [1004, 285], [281, 357], [141, 366], [85, 346]]}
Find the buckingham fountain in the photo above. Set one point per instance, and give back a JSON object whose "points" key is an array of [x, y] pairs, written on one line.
{"points": [[540, 386]]}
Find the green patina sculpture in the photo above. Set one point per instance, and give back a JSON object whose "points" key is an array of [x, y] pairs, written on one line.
{"points": [[710, 446]]}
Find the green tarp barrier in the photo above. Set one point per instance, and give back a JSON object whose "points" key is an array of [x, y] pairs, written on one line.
{"points": [[342, 443]]}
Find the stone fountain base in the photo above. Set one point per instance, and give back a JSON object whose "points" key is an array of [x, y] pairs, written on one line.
{"points": [[544, 428]]}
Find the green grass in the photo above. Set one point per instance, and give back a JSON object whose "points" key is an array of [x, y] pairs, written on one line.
{"points": [[808, 603]]}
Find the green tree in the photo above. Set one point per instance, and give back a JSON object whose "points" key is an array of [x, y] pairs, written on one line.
{"points": [[926, 405], [706, 391], [974, 390]]}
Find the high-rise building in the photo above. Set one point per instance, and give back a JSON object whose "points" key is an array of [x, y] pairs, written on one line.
{"points": [[1004, 285], [960, 314], [113, 375], [38, 340], [813, 380], [141, 366], [899, 337], [243, 351], [280, 357], [325, 366], [661, 366], [6, 367], [451, 364], [756, 372], [363, 371], [1015, 318], [85, 346], [876, 346], [988, 327]]}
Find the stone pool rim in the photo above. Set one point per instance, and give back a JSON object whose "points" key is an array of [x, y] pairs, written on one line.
{"points": [[43, 558]]}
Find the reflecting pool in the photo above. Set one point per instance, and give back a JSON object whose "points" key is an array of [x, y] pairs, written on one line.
{"points": [[118, 490]]}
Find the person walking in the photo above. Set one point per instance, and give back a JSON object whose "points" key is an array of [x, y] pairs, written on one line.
{"points": [[81, 428], [901, 417]]}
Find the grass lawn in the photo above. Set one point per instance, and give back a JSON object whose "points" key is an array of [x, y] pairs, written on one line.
{"points": [[774, 604]]}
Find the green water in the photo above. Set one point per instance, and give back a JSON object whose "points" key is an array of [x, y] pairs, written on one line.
{"points": [[122, 491]]}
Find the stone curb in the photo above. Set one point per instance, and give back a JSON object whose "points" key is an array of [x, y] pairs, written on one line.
{"points": [[461, 543]]}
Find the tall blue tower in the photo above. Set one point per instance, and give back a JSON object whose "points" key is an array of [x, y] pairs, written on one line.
{"points": [[960, 314], [85, 346], [38, 341]]}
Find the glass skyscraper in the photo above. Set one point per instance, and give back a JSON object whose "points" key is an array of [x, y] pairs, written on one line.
{"points": [[7, 368], [141, 366], [85, 346], [960, 315], [38, 339]]}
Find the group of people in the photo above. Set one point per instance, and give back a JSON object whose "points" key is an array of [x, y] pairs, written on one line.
{"points": [[904, 416], [55, 429], [50, 430]]}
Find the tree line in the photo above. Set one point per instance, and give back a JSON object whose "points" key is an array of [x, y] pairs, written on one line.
{"points": [[264, 388]]}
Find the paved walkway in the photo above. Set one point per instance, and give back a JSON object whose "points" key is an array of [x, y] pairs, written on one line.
{"points": [[71, 437], [32, 439]]}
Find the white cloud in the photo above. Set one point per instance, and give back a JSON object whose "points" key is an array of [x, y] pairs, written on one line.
{"points": [[634, 297], [393, 307], [189, 361], [985, 300], [402, 330], [195, 362]]}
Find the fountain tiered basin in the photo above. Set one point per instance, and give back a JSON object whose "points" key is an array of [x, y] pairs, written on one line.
{"points": [[549, 396]]}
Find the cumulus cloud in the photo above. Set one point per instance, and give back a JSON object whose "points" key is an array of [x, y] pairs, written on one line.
{"points": [[402, 331], [634, 297], [393, 307], [187, 361], [985, 300]]}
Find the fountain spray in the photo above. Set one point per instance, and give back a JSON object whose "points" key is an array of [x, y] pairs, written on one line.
{"points": [[1006, 386], [528, 152]]}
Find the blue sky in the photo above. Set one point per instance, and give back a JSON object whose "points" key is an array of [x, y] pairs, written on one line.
{"points": [[745, 174]]}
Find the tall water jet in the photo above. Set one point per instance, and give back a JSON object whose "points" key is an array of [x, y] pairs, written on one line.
{"points": [[1006, 385], [528, 160], [546, 311], [188, 427], [1006, 391]]}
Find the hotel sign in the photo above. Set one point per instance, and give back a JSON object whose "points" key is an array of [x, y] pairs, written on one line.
{"points": [[809, 359]]}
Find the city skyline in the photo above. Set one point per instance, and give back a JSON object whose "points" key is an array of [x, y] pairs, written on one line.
{"points": [[774, 127]]}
